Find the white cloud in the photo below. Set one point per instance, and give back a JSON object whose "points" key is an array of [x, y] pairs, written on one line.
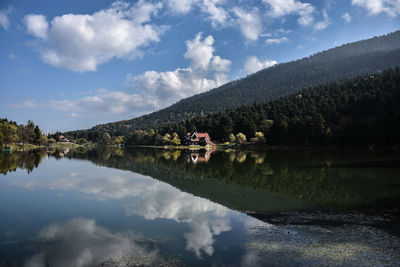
{"points": [[324, 23], [180, 6], [155, 89], [280, 8], [282, 31], [221, 14], [206, 71], [267, 34], [82, 42], [4, 19], [249, 23], [30, 104], [216, 14], [213, 10], [75, 115], [220, 64], [375, 7], [37, 25], [102, 101], [200, 52], [276, 40], [253, 64], [346, 17]]}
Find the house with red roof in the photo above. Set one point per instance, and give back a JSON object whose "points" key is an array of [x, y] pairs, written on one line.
{"points": [[63, 139], [198, 139]]}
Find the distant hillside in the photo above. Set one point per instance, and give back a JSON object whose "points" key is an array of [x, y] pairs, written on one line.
{"points": [[350, 60], [359, 111]]}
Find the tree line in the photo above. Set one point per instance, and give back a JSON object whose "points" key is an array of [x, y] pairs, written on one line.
{"points": [[11, 132], [355, 111], [358, 111]]}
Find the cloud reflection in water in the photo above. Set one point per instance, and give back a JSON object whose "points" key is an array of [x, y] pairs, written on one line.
{"points": [[152, 200], [80, 242]]}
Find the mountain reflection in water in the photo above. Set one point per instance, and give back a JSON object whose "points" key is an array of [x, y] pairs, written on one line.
{"points": [[268, 181], [68, 212]]}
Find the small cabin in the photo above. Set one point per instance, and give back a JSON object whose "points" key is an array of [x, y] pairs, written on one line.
{"points": [[198, 139], [63, 139]]}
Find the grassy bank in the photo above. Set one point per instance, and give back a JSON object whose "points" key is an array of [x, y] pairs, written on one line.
{"points": [[28, 147], [65, 145]]}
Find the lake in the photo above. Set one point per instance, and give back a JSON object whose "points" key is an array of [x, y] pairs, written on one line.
{"points": [[154, 207]]}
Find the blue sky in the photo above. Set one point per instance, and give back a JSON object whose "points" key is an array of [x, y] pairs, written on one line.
{"points": [[74, 64]]}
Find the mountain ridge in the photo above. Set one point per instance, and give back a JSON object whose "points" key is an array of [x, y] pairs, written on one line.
{"points": [[345, 61]]}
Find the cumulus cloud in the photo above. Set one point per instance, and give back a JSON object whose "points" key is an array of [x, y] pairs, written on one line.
{"points": [[200, 52], [4, 19], [37, 25], [253, 64], [276, 40], [205, 71], [324, 23], [220, 64], [346, 17], [375, 7], [82, 42], [154, 89], [280, 8], [249, 23]]}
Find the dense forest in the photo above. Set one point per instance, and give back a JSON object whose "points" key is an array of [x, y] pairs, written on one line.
{"points": [[356, 111], [350, 60]]}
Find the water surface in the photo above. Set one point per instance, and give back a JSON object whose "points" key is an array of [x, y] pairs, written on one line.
{"points": [[114, 207]]}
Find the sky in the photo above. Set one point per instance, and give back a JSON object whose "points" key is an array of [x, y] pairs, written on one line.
{"points": [[70, 65]]}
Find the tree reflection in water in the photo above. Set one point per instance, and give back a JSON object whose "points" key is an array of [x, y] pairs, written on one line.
{"points": [[257, 181], [268, 182]]}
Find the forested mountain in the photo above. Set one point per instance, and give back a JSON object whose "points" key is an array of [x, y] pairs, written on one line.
{"points": [[357, 111], [350, 60]]}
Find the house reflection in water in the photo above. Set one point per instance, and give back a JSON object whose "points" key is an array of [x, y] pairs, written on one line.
{"points": [[196, 156], [62, 153]]}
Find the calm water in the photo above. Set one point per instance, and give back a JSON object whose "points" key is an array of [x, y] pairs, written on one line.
{"points": [[152, 207]]}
